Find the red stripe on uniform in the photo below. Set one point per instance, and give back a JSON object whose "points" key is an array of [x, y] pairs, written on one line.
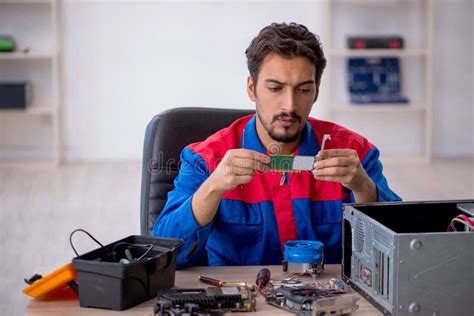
{"points": [[284, 214], [303, 185]]}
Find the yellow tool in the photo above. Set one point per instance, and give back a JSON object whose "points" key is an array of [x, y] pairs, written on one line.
{"points": [[55, 282]]}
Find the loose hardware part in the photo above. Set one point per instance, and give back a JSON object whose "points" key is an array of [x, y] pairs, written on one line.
{"points": [[311, 301], [303, 257], [210, 301], [299, 297], [292, 163]]}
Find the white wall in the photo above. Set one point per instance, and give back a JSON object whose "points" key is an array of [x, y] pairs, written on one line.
{"points": [[453, 119], [124, 61]]}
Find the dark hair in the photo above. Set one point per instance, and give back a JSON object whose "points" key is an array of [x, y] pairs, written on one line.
{"points": [[288, 40]]}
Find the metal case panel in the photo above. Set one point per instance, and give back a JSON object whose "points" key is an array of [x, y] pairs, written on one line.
{"points": [[436, 274], [373, 249], [409, 273]]}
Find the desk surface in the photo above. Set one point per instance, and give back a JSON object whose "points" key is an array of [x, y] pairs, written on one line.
{"points": [[185, 279]]}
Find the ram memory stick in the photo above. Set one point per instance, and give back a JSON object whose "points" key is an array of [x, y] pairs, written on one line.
{"points": [[291, 163]]}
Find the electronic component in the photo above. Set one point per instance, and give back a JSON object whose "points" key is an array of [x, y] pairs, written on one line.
{"points": [[297, 296], [287, 163], [336, 285], [400, 257], [288, 282], [311, 301], [303, 256], [210, 301]]}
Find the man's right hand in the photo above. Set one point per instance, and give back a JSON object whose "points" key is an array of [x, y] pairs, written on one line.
{"points": [[238, 167]]}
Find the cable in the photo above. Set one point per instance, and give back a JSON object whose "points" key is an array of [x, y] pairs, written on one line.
{"points": [[87, 233], [146, 252], [464, 223], [467, 219], [150, 247], [462, 219], [111, 254]]}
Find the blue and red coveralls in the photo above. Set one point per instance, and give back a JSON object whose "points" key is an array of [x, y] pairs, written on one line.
{"points": [[254, 220]]}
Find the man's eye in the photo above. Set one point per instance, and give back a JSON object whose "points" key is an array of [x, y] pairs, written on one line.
{"points": [[304, 90], [274, 89]]}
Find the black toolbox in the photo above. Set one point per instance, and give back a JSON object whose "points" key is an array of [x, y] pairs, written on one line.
{"points": [[105, 282]]}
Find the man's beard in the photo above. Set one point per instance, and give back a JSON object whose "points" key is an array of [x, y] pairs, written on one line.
{"points": [[286, 137]]}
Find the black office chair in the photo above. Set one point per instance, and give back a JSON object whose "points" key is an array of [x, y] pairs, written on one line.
{"points": [[166, 135]]}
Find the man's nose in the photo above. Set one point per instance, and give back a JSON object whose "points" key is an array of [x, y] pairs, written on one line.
{"points": [[290, 102]]}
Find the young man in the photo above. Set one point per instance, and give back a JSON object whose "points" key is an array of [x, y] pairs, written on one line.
{"points": [[227, 204]]}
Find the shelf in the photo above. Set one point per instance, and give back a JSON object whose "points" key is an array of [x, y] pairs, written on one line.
{"points": [[25, 1], [379, 107], [35, 23], [411, 52], [411, 120], [36, 110], [372, 2], [23, 56], [24, 163]]}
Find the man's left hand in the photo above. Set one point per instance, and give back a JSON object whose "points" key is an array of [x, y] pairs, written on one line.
{"points": [[344, 166]]}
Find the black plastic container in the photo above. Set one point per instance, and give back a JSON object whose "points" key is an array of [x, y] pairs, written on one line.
{"points": [[105, 282]]}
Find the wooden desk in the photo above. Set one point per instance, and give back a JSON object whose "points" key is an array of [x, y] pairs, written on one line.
{"points": [[185, 279]]}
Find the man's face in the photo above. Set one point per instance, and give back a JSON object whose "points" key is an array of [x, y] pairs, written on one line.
{"points": [[285, 92]]}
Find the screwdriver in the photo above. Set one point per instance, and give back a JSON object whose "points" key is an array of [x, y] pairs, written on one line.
{"points": [[216, 282]]}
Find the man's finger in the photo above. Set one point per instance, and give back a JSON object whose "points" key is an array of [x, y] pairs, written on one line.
{"points": [[334, 162], [250, 164], [251, 154], [328, 153], [241, 179], [234, 170], [338, 179], [331, 171]]}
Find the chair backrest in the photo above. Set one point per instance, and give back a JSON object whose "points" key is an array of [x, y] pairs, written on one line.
{"points": [[165, 137]]}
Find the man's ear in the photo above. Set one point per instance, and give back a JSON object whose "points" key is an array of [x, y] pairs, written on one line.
{"points": [[251, 89]]}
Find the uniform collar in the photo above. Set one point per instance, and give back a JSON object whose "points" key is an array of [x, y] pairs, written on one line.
{"points": [[249, 140]]}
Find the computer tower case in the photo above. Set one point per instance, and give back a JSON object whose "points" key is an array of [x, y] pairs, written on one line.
{"points": [[400, 256]]}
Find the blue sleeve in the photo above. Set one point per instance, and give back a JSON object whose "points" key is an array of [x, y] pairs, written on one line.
{"points": [[373, 167], [177, 220]]}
